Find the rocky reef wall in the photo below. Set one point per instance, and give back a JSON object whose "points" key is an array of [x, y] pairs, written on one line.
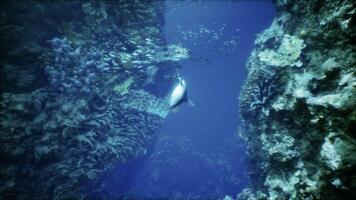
{"points": [[82, 92], [298, 103]]}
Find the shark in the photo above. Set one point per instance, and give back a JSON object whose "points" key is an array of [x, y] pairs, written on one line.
{"points": [[179, 94]]}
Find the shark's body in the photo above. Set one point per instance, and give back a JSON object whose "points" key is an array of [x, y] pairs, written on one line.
{"points": [[179, 94]]}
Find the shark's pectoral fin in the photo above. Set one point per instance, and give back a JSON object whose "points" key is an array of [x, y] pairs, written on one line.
{"points": [[191, 103]]}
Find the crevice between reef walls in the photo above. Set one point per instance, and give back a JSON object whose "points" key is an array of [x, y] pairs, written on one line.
{"points": [[298, 103]]}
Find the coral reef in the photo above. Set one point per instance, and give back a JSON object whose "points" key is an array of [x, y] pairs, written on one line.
{"points": [[82, 93], [298, 103], [287, 53]]}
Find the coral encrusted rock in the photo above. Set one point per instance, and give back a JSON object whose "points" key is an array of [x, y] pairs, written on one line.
{"points": [[81, 94], [298, 103]]}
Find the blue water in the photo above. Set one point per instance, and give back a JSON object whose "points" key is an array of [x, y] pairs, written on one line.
{"points": [[214, 87], [214, 74]]}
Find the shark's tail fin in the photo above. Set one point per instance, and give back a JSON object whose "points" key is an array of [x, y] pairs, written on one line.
{"points": [[191, 103]]}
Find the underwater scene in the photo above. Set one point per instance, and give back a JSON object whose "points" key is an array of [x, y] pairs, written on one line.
{"points": [[178, 100]]}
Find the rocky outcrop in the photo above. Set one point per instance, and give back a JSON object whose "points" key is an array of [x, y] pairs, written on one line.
{"points": [[298, 103], [83, 87]]}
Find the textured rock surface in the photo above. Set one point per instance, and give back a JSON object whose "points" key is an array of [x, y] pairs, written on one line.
{"points": [[82, 92], [298, 103]]}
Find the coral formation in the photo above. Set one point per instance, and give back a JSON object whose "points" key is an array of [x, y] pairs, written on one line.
{"points": [[124, 87], [287, 53], [75, 105], [299, 125]]}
